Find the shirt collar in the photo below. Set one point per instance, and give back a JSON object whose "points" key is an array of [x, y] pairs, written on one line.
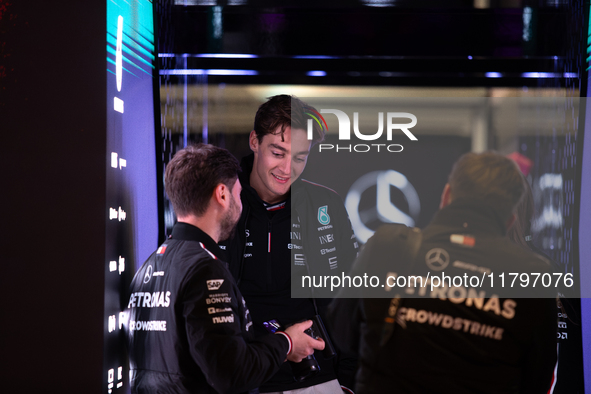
{"points": [[187, 232], [473, 216]]}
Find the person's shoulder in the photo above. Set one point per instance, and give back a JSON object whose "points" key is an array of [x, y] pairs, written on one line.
{"points": [[542, 261], [309, 185], [524, 258], [389, 231], [322, 200], [190, 254], [195, 261], [204, 276], [320, 191]]}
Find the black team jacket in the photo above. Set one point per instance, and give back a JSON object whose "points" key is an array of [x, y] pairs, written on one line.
{"points": [[454, 339], [309, 234], [189, 329]]}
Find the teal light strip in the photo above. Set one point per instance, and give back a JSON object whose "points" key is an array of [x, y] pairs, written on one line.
{"points": [[112, 49], [589, 37], [112, 52], [109, 60], [112, 39], [138, 26]]}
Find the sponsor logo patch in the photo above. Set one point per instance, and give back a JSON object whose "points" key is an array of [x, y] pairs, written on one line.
{"points": [[148, 274], [213, 311], [323, 216], [218, 298], [437, 259], [325, 251], [464, 240], [214, 284], [223, 319], [324, 239]]}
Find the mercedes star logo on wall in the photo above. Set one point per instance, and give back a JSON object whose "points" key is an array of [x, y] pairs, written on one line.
{"points": [[384, 209]]}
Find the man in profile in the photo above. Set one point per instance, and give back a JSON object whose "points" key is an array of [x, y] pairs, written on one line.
{"points": [[289, 225], [458, 337], [189, 329]]}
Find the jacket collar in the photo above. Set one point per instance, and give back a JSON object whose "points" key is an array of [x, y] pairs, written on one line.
{"points": [[473, 216], [187, 232]]}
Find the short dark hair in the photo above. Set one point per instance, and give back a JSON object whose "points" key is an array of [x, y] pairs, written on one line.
{"points": [[282, 111], [488, 177], [193, 174]]}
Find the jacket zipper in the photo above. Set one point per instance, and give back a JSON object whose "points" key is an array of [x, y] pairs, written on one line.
{"points": [[241, 257], [269, 259]]}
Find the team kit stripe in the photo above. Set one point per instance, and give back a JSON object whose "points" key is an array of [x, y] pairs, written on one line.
{"points": [[211, 254], [276, 207], [317, 184], [555, 373]]}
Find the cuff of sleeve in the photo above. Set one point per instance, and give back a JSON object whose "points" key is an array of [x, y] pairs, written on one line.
{"points": [[288, 340]]}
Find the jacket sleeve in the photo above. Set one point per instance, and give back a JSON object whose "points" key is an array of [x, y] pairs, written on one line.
{"points": [[343, 322], [349, 247], [344, 312], [212, 307], [347, 354]]}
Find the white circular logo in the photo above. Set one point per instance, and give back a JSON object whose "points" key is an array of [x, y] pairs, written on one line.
{"points": [[437, 259], [384, 210], [148, 274]]}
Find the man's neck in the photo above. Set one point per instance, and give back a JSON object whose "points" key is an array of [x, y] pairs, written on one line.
{"points": [[204, 223], [269, 199]]}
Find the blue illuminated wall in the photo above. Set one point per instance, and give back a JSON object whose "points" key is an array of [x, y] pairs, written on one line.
{"points": [[585, 226], [130, 113], [131, 180], [585, 248]]}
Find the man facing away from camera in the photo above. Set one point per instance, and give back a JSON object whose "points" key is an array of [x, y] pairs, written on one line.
{"points": [[189, 328], [460, 337], [282, 226]]}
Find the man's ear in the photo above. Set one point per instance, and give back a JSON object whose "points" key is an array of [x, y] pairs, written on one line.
{"points": [[510, 221], [221, 195], [253, 141], [445, 196]]}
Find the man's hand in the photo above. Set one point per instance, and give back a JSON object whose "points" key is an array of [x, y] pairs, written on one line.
{"points": [[302, 344]]}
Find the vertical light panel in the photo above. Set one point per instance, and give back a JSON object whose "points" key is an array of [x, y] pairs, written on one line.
{"points": [[131, 214]]}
